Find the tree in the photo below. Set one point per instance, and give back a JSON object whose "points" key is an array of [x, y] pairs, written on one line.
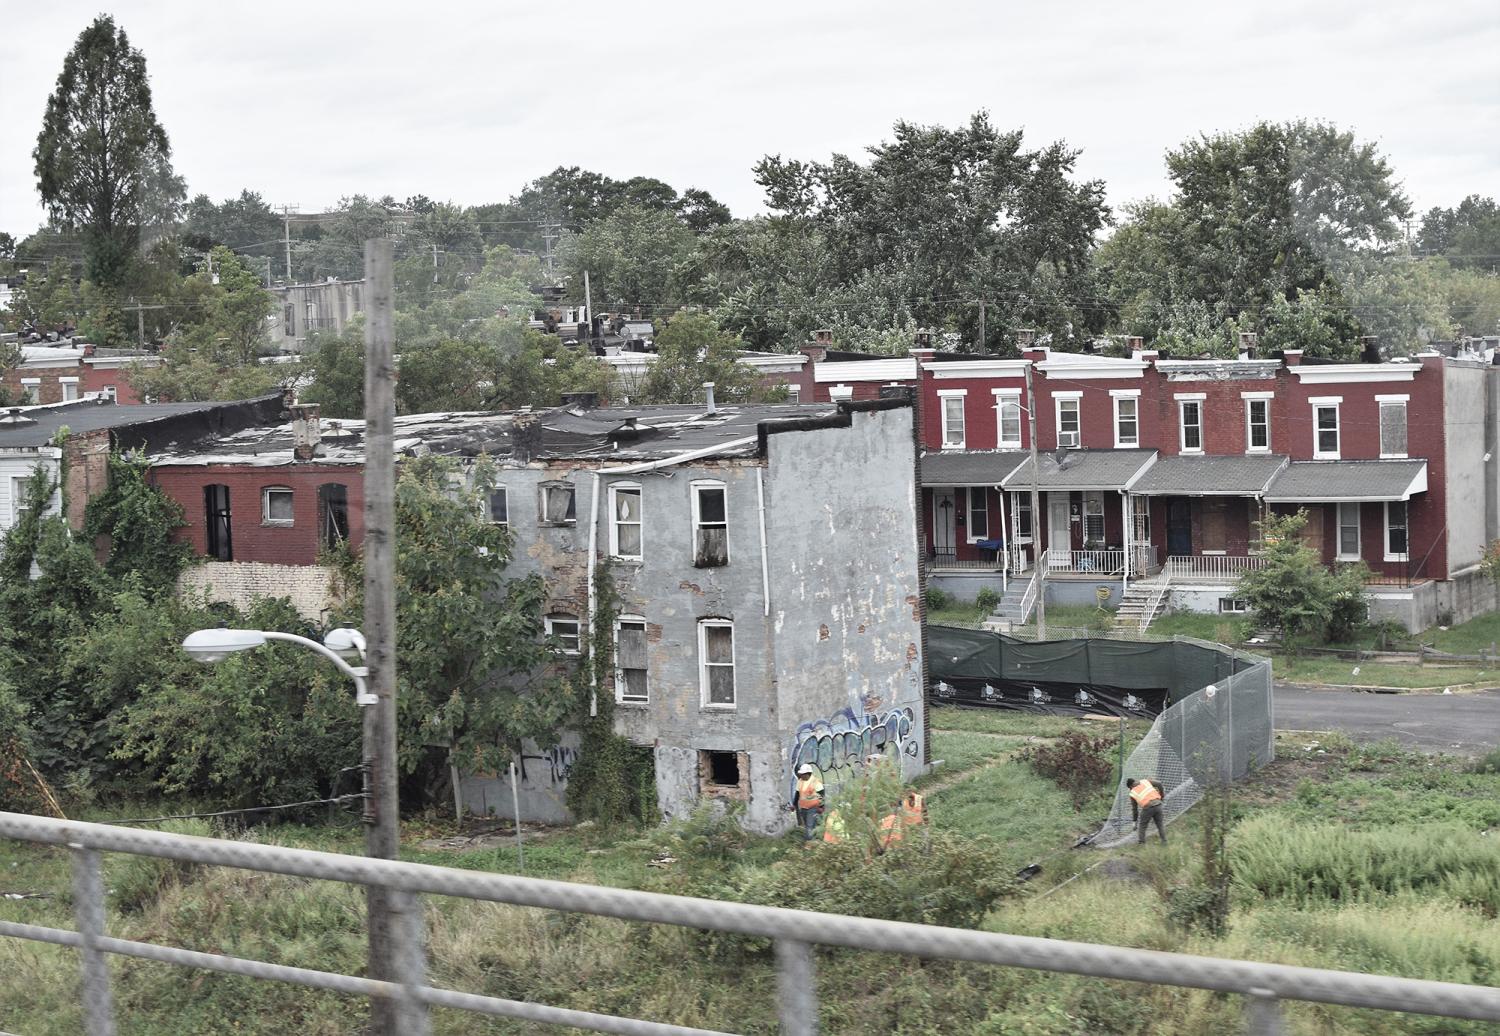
{"points": [[102, 160], [1295, 591], [338, 366], [1468, 234], [245, 224], [691, 350], [636, 256]]}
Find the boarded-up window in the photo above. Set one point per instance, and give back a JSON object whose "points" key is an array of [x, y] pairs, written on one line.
{"points": [[716, 644], [1393, 429], [630, 660], [557, 503], [1213, 524]]}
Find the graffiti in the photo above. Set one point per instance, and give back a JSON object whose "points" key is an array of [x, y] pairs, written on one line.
{"points": [[556, 762], [837, 747]]}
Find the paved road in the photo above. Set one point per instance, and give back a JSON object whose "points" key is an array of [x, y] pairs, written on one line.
{"points": [[1466, 723]]}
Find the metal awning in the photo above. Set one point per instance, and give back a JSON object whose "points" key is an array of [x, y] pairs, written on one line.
{"points": [[1241, 475], [969, 467], [1083, 469], [1347, 481]]}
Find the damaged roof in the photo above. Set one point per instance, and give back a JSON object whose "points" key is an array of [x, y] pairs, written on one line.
{"points": [[640, 433], [41, 424]]}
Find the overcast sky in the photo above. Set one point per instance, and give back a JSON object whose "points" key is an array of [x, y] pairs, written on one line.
{"points": [[307, 102]]}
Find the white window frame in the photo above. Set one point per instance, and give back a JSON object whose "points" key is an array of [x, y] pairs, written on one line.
{"points": [[838, 392], [694, 490], [1184, 400], [946, 399], [794, 393], [489, 514], [18, 498], [1341, 511], [552, 619], [1119, 396], [1005, 398], [110, 393], [620, 622], [31, 391], [983, 494], [615, 521], [1381, 402], [1406, 525], [1333, 403], [1093, 498], [1076, 401], [69, 389], [704, 665], [265, 506], [1235, 606], [1251, 399], [544, 514]]}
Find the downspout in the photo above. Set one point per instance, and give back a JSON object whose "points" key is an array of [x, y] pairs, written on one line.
{"points": [[593, 561], [1004, 545], [1125, 538], [765, 568]]}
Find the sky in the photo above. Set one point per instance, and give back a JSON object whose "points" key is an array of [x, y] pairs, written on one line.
{"points": [[465, 102]]}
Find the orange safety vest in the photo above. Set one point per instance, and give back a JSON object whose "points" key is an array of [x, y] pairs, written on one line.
{"points": [[833, 827], [809, 793], [1144, 793], [913, 810], [890, 830]]}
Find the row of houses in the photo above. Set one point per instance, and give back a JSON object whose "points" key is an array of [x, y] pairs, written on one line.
{"points": [[66, 371]]}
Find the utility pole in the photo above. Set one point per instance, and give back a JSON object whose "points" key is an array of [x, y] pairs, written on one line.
{"points": [[549, 235], [1036, 514], [140, 321], [286, 218], [981, 325], [588, 305], [389, 920]]}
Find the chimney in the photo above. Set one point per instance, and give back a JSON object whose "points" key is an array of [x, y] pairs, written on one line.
{"points": [[581, 400], [1291, 357], [1369, 349], [306, 433], [89, 350], [1247, 345], [708, 389], [1148, 355], [1024, 337]]}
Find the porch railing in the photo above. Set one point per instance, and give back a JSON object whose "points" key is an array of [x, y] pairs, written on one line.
{"points": [[1145, 559], [1088, 562], [1211, 568], [1028, 599], [948, 560]]}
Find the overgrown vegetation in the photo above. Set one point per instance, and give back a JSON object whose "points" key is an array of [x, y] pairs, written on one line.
{"points": [[1079, 764]]}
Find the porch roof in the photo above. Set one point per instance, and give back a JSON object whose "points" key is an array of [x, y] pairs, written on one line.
{"points": [[1083, 469], [969, 467], [1347, 481], [1241, 475]]}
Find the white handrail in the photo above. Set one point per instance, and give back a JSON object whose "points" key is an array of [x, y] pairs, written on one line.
{"points": [[1212, 566], [1148, 614]]}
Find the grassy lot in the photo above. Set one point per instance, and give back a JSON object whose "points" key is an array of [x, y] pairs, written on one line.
{"points": [[1364, 858], [1469, 638]]}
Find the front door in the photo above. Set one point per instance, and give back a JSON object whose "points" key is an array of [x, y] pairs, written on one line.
{"points": [[1179, 527], [943, 509], [1059, 531]]}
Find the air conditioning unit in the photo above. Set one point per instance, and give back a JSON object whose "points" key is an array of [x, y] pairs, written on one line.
{"points": [[1067, 440]]}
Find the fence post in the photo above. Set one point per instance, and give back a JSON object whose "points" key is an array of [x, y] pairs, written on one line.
{"points": [[88, 912], [1263, 1014], [409, 931], [796, 984]]}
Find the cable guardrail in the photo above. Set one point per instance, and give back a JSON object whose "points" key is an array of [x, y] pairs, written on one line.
{"points": [[794, 933]]}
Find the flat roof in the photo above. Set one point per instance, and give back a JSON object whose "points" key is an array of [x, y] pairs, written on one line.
{"points": [[90, 416], [1244, 475]]}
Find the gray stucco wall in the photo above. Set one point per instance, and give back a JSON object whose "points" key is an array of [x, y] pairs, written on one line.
{"points": [[1465, 412], [844, 595]]}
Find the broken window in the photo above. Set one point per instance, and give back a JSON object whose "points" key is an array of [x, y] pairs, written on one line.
{"points": [[276, 505], [630, 660], [333, 514], [497, 507], [720, 769], [557, 503], [710, 525], [565, 628], [216, 515], [716, 650], [625, 520]]}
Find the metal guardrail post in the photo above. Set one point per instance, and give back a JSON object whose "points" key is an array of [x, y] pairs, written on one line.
{"points": [[1263, 1014], [409, 931], [88, 911], [796, 983]]}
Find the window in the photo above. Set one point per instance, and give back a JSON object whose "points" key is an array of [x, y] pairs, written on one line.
{"points": [[565, 629], [625, 520], [557, 503], [979, 514], [69, 389], [1257, 426], [1233, 606], [1326, 429], [333, 514], [1008, 420], [216, 517], [1067, 422], [276, 505], [109, 393], [1127, 421], [953, 420], [1093, 519], [1190, 422], [1348, 532], [710, 525], [1396, 542], [1393, 428], [716, 652], [838, 392], [31, 390], [630, 660], [794, 393], [1023, 516], [497, 507], [720, 772], [20, 498]]}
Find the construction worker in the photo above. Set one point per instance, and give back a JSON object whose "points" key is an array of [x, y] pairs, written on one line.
{"points": [[809, 800], [911, 814], [834, 828], [1145, 808]]}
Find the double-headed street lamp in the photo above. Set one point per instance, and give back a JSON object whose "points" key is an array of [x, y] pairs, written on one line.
{"points": [[217, 644]]}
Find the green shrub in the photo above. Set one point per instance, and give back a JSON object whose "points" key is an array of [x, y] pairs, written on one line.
{"points": [[137, 882], [1079, 764], [1487, 764], [987, 600], [938, 600]]}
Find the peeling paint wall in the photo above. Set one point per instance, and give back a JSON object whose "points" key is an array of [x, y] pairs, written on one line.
{"points": [[241, 583]]}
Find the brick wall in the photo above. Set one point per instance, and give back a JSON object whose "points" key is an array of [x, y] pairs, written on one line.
{"points": [[241, 583]]}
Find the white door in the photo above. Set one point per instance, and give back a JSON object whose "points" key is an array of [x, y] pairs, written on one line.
{"points": [[943, 527], [1059, 532]]}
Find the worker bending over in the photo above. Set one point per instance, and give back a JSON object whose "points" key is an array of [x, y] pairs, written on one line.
{"points": [[1145, 808]]}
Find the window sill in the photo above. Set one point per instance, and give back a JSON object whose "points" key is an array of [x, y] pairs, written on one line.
{"points": [[615, 559], [1398, 559], [1327, 456], [1258, 449], [953, 445], [556, 525], [631, 703], [707, 707], [274, 524], [1196, 451], [1394, 456], [1348, 558]]}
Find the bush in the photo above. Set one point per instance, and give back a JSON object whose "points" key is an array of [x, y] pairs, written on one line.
{"points": [[1487, 764], [1079, 764], [938, 600], [987, 600], [137, 882]]}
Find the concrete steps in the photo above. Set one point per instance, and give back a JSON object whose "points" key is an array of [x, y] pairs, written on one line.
{"points": [[1132, 614], [1008, 612]]}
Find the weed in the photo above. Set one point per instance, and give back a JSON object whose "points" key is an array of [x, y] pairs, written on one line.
{"points": [[986, 600], [1078, 763]]}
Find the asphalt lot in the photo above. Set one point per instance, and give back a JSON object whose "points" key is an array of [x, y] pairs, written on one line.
{"points": [[1466, 723]]}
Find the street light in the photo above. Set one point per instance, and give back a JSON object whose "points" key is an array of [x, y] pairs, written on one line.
{"points": [[217, 644]]}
